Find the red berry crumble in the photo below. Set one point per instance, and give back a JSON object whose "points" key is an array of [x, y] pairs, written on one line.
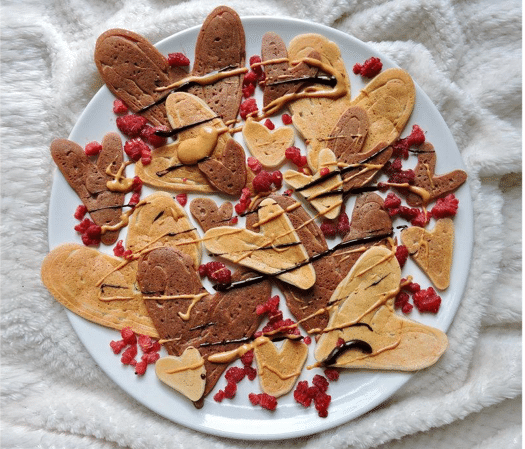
{"points": [[178, 60], [370, 68], [93, 148], [131, 125]]}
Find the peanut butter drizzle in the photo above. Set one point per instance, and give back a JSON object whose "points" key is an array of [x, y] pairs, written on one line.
{"points": [[124, 221], [347, 254], [204, 80], [423, 193], [429, 174], [191, 151], [230, 356], [383, 259], [180, 369], [114, 298], [119, 183]]}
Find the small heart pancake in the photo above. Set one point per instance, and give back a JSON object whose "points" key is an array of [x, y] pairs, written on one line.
{"points": [[363, 316], [267, 146], [276, 249], [279, 369], [433, 250], [185, 374], [209, 215]]}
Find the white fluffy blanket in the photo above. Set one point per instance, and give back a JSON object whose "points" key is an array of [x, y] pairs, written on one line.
{"points": [[466, 54]]}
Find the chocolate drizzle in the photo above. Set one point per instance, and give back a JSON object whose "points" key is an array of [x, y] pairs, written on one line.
{"points": [[174, 131], [319, 79], [338, 351]]}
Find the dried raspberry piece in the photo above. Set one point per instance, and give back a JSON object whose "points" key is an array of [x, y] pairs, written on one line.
{"points": [[253, 164], [117, 346], [269, 124], [240, 208], [136, 186], [148, 134], [135, 148], [145, 156], [247, 358], [254, 398], [203, 270], [262, 182], [93, 148], [277, 179], [340, 342], [250, 79], [320, 382], [300, 394], [271, 306], [392, 167], [421, 219], [150, 357], [248, 90], [145, 342], [128, 356], [402, 298], [268, 402], [219, 396], [332, 374], [324, 171], [119, 107], [235, 374], [403, 177], [251, 373], [416, 137], [392, 201], [178, 60], [412, 287], [427, 300], [370, 68], [307, 340], [407, 308], [328, 228], [248, 107], [401, 255], [230, 390], [80, 212], [222, 276], [128, 336], [134, 200], [131, 125], [213, 266], [445, 207], [234, 221], [182, 199], [293, 154], [255, 59], [288, 192], [408, 213], [140, 368], [321, 402], [287, 119], [90, 232], [83, 225], [118, 249]]}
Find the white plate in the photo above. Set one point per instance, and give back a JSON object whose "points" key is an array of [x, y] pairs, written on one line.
{"points": [[356, 392]]}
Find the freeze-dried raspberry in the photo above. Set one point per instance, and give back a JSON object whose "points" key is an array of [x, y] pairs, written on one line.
{"points": [[254, 398], [203, 270], [119, 107], [402, 146], [407, 308], [235, 374], [178, 60], [145, 156], [247, 358], [136, 186], [288, 192], [255, 59], [320, 382], [427, 300], [300, 394], [182, 199], [134, 200], [307, 340], [248, 107], [250, 79], [340, 342], [253, 164], [402, 298], [266, 401], [277, 179], [145, 342], [117, 346], [240, 208], [90, 232], [135, 148], [421, 219], [332, 374], [411, 287], [445, 207], [370, 68], [148, 134], [140, 368], [80, 212], [343, 224], [234, 221], [230, 390], [271, 306], [210, 267], [248, 90], [131, 125], [222, 276], [408, 213], [269, 124], [93, 148], [128, 336], [287, 119], [392, 167], [401, 255], [219, 396], [322, 401], [262, 182], [324, 171], [150, 357], [293, 154], [128, 356], [392, 201], [118, 249], [328, 228], [403, 177], [251, 373]]}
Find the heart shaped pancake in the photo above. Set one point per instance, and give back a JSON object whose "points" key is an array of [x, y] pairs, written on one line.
{"points": [[388, 101], [185, 314], [279, 369], [315, 118], [306, 304], [267, 146], [273, 50], [434, 185], [433, 250], [133, 69], [162, 221], [277, 250], [185, 374], [209, 215], [323, 191], [90, 180], [362, 315], [97, 287], [220, 44]]}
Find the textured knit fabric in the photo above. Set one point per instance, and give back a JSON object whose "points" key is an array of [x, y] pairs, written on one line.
{"points": [[466, 55]]}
